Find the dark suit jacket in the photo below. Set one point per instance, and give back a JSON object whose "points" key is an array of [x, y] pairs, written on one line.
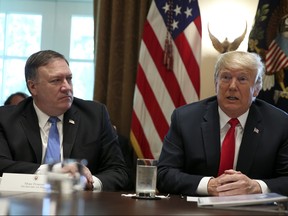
{"points": [[191, 149], [91, 137]]}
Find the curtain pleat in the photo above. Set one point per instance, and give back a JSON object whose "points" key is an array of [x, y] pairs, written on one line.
{"points": [[118, 33]]}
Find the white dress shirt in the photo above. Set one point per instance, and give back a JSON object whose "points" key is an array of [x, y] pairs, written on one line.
{"points": [[44, 126], [224, 127]]}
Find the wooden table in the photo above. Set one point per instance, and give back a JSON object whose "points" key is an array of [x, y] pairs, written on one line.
{"points": [[107, 203]]}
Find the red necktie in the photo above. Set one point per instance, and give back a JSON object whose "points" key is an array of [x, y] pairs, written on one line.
{"points": [[228, 148]]}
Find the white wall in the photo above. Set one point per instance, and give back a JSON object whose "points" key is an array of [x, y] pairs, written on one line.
{"points": [[226, 19]]}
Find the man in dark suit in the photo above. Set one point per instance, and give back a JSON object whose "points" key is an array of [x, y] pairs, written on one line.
{"points": [[191, 152], [85, 131]]}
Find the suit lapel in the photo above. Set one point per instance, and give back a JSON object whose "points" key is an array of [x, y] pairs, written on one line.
{"points": [[70, 126], [29, 122], [250, 140], [211, 136]]}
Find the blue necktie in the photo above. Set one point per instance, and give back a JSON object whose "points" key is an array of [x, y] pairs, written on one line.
{"points": [[53, 147]]}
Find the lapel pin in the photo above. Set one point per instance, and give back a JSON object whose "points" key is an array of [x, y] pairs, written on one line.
{"points": [[71, 121], [256, 130]]}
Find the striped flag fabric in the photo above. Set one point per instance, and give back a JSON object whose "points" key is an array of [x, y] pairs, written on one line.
{"points": [[269, 38], [277, 55], [168, 74]]}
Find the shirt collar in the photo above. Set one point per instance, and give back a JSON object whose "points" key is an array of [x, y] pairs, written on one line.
{"points": [[43, 117], [224, 118]]}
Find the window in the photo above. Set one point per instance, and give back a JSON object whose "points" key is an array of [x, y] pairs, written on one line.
{"points": [[27, 26]]}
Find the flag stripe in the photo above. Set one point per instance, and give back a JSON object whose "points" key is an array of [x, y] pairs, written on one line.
{"points": [[194, 43], [148, 133], [155, 81], [138, 132], [190, 63], [268, 38], [169, 78], [191, 57], [159, 91], [272, 56], [152, 105], [276, 59]]}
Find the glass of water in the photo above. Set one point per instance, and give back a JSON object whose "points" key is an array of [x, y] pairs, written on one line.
{"points": [[146, 177]]}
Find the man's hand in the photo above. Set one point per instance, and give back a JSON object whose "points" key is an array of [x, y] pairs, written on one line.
{"points": [[232, 182], [86, 172], [76, 168]]}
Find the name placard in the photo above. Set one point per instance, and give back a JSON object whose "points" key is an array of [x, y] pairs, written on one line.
{"points": [[23, 182]]}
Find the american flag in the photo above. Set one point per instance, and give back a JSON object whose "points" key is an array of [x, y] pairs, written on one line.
{"points": [[277, 55], [268, 38], [168, 73]]}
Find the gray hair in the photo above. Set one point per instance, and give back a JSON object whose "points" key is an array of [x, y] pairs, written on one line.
{"points": [[39, 59], [249, 61]]}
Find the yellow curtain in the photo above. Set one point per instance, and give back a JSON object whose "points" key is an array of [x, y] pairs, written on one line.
{"points": [[118, 33]]}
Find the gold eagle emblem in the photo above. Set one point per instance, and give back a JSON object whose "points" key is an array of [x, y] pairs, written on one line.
{"points": [[226, 45]]}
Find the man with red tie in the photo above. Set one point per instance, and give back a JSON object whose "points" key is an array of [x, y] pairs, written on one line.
{"points": [[228, 144]]}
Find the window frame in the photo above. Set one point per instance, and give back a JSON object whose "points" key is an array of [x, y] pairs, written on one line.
{"points": [[56, 28]]}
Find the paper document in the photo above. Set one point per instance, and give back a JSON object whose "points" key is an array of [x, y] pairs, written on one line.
{"points": [[241, 200], [192, 199]]}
